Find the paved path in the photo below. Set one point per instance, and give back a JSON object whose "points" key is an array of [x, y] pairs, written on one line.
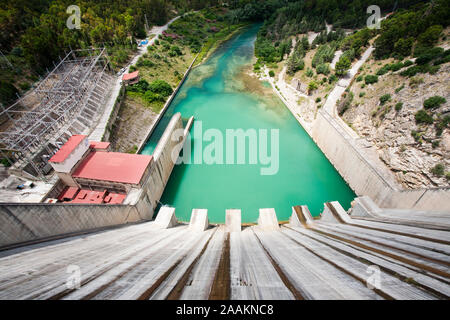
{"points": [[99, 131], [336, 93]]}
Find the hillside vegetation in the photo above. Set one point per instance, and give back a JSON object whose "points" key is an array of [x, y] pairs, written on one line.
{"points": [[34, 34]]}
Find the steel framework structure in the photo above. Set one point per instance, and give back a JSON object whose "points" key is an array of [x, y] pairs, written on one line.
{"points": [[68, 101]]}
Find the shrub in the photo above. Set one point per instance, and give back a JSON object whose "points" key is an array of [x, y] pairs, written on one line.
{"points": [[396, 66], [430, 36], [414, 82], [141, 86], [161, 87], [441, 124], [156, 42], [8, 92], [423, 59], [362, 94], [385, 98], [433, 69], [309, 73], [438, 170], [144, 63], [272, 73], [435, 144], [324, 53], [433, 102], [412, 71], [176, 49], [17, 51], [318, 99], [24, 86], [369, 79], [442, 60], [323, 68], [359, 78], [422, 116], [346, 103], [399, 88], [398, 106], [332, 78], [407, 63], [385, 69], [342, 65], [312, 86], [150, 96], [417, 136]]}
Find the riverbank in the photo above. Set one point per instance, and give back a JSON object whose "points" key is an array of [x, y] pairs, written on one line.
{"points": [[168, 57], [211, 46], [355, 159]]}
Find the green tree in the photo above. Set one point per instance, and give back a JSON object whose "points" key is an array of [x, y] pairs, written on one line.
{"points": [[403, 46], [342, 65], [430, 36], [434, 102], [161, 87]]}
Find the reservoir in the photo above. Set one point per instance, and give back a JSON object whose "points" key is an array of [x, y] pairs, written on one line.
{"points": [[221, 94]]}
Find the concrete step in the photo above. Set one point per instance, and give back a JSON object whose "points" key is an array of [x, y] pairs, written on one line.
{"points": [[172, 287], [252, 274], [138, 272], [385, 263], [379, 241], [386, 285], [200, 281], [49, 261], [311, 276]]}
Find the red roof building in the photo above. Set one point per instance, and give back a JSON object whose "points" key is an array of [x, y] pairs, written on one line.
{"points": [[71, 144], [131, 78], [99, 145], [89, 196], [114, 167], [68, 194], [90, 173]]}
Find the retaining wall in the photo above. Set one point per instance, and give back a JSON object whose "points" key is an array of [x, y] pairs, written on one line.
{"points": [[22, 222], [363, 177], [113, 115], [162, 159]]}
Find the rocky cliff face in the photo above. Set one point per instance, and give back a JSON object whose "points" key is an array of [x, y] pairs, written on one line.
{"points": [[409, 149]]}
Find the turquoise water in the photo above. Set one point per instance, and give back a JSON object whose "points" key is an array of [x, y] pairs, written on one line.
{"points": [[221, 96]]}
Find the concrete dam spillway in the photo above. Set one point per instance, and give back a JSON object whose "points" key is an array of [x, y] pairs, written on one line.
{"points": [[221, 95]]}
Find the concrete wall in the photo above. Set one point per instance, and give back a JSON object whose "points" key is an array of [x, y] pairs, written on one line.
{"points": [[113, 115], [363, 178], [22, 222], [163, 163]]}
